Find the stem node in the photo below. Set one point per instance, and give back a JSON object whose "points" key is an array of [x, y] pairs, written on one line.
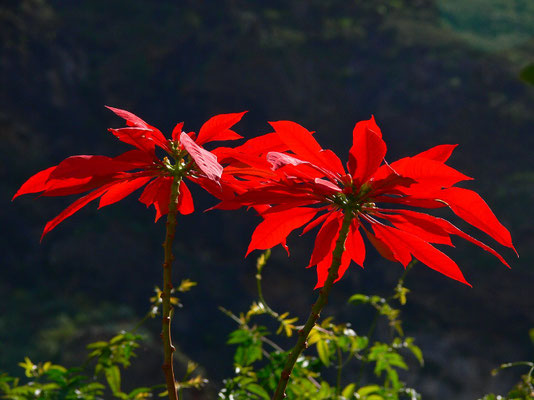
{"points": [[285, 375]]}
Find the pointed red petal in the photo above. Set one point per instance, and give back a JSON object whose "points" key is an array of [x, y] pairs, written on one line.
{"points": [[262, 145], [35, 184], [400, 252], [358, 130], [298, 139], [322, 271], [301, 142], [439, 153], [223, 190], [162, 199], [421, 225], [444, 225], [66, 187], [131, 119], [206, 161], [455, 231], [158, 193], [279, 160], [177, 131], [345, 263], [382, 248], [325, 240], [294, 166], [77, 205], [149, 193], [185, 200], [326, 186], [218, 128], [390, 184], [411, 201], [286, 206], [276, 227], [314, 223], [332, 161], [354, 244], [137, 158], [427, 171], [120, 190], [136, 137], [86, 166], [469, 206], [367, 152], [324, 266], [424, 252]]}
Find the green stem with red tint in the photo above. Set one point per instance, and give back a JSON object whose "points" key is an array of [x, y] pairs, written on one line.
{"points": [[333, 273], [168, 348]]}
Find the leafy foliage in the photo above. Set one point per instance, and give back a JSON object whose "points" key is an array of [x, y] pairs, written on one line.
{"points": [[524, 389], [259, 360], [48, 381], [100, 375]]}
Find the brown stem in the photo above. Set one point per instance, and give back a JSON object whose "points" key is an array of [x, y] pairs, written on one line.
{"points": [[168, 348], [316, 309]]}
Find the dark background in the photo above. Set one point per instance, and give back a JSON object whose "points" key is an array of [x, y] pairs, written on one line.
{"points": [[431, 71]]}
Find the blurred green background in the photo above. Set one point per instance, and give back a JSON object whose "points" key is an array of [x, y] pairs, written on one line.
{"points": [[431, 71]]}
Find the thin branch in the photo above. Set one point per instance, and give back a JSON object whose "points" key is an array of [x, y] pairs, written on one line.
{"points": [[168, 348], [333, 273]]}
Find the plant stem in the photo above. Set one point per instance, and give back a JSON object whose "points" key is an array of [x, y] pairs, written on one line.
{"points": [[339, 369], [260, 264], [168, 348], [372, 328], [316, 309]]}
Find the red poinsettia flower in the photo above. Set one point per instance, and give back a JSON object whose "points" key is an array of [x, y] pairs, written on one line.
{"points": [[112, 179], [307, 185]]}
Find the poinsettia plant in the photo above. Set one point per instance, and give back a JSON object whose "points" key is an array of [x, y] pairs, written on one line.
{"points": [[112, 179], [292, 182], [306, 185]]}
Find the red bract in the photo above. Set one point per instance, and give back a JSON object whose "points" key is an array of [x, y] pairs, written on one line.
{"points": [[112, 179], [308, 186]]}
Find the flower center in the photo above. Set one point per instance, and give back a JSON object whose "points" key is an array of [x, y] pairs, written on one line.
{"points": [[354, 200], [178, 166]]}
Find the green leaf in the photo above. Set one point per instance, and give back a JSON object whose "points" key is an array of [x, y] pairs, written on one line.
{"points": [[139, 393], [239, 336], [393, 377], [357, 299], [349, 390], [97, 345], [113, 377], [325, 392], [258, 390], [30, 369], [118, 338], [360, 343], [344, 342], [324, 352], [416, 351], [377, 300], [366, 390], [374, 397]]}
